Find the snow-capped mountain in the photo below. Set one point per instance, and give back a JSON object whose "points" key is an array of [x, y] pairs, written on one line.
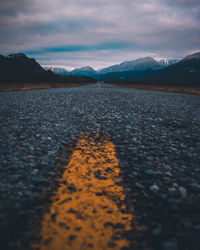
{"points": [[127, 68], [58, 69], [167, 62], [139, 64], [84, 71]]}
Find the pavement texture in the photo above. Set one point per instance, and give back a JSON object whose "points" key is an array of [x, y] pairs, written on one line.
{"points": [[155, 138]]}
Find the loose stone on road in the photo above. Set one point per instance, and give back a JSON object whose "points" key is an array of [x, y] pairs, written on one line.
{"points": [[156, 139]]}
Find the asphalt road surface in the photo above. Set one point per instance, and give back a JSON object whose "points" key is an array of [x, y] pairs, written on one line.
{"points": [[99, 167]]}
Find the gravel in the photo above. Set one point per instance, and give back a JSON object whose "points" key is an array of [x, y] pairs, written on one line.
{"points": [[157, 141]]}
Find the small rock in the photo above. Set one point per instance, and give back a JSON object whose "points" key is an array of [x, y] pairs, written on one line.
{"points": [[66, 200], [188, 224], [72, 237], [157, 232], [183, 192], [52, 173], [151, 172], [195, 187], [72, 211], [63, 225], [14, 177], [112, 244], [101, 177], [35, 171], [2, 216], [172, 189], [20, 194], [47, 241], [32, 164], [154, 188], [139, 185], [53, 217], [39, 179], [169, 246], [168, 167], [72, 187], [168, 173], [197, 227]]}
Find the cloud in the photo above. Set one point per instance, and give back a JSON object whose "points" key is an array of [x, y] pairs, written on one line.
{"points": [[184, 3], [10, 7], [100, 31]]}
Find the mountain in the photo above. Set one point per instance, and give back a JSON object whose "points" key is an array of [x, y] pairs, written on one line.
{"points": [[183, 73], [18, 68], [84, 71], [195, 56], [167, 62], [139, 64], [57, 70], [186, 71], [19, 61]]}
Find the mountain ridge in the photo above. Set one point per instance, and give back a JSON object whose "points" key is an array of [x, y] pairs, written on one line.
{"points": [[57, 70], [138, 64], [143, 63], [18, 68], [183, 73], [87, 70], [195, 56]]}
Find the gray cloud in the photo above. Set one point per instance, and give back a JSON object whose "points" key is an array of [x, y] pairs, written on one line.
{"points": [[93, 32], [184, 3], [13, 8]]}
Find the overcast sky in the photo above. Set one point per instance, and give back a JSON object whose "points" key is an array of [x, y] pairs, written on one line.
{"points": [[99, 33]]}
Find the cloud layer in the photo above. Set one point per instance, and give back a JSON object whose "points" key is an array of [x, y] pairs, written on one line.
{"points": [[81, 32]]}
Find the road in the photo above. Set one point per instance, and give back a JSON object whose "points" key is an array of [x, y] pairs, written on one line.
{"points": [[99, 168]]}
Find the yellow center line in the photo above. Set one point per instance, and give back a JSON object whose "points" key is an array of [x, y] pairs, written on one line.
{"points": [[88, 210]]}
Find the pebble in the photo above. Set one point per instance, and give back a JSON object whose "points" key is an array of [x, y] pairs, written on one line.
{"points": [[71, 187], [183, 192], [152, 172], [154, 188], [157, 232], [35, 171], [139, 185], [197, 227], [14, 177], [156, 135], [195, 187], [169, 246]]}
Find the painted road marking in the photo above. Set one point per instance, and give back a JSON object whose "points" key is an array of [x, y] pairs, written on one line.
{"points": [[88, 210]]}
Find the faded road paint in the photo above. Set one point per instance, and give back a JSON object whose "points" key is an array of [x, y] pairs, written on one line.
{"points": [[88, 210]]}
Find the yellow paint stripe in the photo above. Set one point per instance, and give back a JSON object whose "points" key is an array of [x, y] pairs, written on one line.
{"points": [[88, 210]]}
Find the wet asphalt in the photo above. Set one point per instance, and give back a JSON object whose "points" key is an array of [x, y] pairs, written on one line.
{"points": [[157, 142]]}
